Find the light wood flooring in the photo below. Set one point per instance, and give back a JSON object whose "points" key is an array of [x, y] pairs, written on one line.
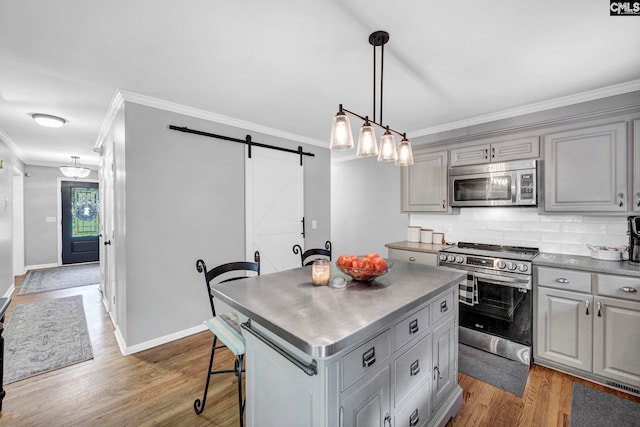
{"points": [[158, 386]]}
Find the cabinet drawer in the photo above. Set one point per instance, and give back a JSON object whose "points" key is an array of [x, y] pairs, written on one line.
{"points": [[412, 368], [410, 327], [413, 256], [365, 358], [417, 411], [442, 306], [618, 286], [559, 278]]}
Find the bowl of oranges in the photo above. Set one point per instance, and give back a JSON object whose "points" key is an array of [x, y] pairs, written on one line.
{"points": [[364, 268]]}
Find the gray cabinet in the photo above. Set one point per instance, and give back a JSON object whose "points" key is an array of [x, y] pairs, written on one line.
{"points": [[585, 170], [635, 195], [414, 256], [587, 324], [523, 148], [424, 184], [369, 405], [445, 371]]}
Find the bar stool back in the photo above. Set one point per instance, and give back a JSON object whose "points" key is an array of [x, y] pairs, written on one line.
{"points": [[307, 257]]}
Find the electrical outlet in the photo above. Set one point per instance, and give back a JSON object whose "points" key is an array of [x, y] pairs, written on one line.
{"points": [[314, 224]]}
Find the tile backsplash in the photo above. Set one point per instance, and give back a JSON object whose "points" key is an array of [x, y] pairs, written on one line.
{"points": [[563, 234]]}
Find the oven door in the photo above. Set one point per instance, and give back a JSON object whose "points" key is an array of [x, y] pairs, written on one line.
{"points": [[503, 307], [485, 189]]}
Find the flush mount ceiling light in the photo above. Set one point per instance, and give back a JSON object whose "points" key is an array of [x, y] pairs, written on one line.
{"points": [[75, 170], [341, 137], [48, 120]]}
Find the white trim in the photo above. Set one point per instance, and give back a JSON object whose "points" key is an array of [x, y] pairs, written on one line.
{"points": [[112, 112], [12, 145], [214, 117], [577, 98], [10, 291], [40, 266], [126, 351], [59, 209]]}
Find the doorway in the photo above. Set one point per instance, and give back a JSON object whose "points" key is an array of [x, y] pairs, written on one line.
{"points": [[80, 222]]}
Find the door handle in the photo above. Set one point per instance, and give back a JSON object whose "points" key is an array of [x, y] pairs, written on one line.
{"points": [[108, 242], [587, 304], [599, 307], [620, 199]]}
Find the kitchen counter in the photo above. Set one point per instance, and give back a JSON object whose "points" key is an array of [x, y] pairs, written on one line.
{"points": [[405, 245], [322, 320], [585, 263]]}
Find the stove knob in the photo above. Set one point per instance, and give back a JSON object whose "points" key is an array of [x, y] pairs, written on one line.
{"points": [[443, 257], [451, 258], [523, 267], [511, 266], [459, 259], [501, 265]]}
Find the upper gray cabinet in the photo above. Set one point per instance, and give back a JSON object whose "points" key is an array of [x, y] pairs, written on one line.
{"points": [[635, 197], [424, 184], [585, 169], [524, 148]]}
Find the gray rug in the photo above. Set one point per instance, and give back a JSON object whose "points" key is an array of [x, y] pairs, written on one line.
{"points": [[595, 408], [500, 372], [50, 279], [45, 335]]}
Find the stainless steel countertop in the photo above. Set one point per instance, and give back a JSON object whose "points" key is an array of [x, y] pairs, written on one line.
{"points": [[405, 245], [322, 320]]}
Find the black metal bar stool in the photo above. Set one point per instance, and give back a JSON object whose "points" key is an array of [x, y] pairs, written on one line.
{"points": [[226, 327], [307, 257]]}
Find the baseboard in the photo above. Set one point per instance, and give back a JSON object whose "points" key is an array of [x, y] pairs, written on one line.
{"points": [[10, 291], [40, 266], [126, 351]]}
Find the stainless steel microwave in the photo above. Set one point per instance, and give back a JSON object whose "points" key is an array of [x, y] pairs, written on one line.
{"points": [[494, 184]]}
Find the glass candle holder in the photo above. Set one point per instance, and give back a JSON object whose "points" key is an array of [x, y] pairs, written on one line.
{"points": [[320, 272]]}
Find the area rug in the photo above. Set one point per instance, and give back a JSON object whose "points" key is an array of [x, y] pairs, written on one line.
{"points": [[595, 408], [50, 279], [508, 375], [45, 335]]}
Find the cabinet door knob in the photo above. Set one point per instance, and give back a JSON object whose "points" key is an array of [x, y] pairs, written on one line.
{"points": [[436, 370], [599, 307], [412, 258], [486, 153], [620, 199], [493, 152], [587, 304], [638, 198]]}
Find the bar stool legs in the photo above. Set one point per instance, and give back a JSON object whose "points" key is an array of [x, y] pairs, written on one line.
{"points": [[198, 405]]}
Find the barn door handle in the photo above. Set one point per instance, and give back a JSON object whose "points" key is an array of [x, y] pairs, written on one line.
{"points": [[303, 233], [108, 242]]}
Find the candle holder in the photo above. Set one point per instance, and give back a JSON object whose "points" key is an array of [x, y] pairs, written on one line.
{"points": [[320, 272]]}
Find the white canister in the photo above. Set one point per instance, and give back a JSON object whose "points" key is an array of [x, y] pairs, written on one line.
{"points": [[438, 238], [426, 234], [413, 233]]}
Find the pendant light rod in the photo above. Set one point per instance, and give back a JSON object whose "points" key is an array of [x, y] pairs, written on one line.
{"points": [[344, 110]]}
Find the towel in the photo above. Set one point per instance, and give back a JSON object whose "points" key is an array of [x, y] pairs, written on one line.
{"points": [[469, 291]]}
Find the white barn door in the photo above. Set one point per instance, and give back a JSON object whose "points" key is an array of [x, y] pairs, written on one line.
{"points": [[274, 208]]}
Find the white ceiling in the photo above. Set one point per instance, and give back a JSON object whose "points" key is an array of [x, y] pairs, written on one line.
{"points": [[287, 64]]}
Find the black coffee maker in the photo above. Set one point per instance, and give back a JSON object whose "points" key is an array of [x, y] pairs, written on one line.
{"points": [[634, 238]]}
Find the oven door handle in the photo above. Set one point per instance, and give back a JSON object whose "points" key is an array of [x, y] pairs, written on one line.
{"points": [[505, 281]]}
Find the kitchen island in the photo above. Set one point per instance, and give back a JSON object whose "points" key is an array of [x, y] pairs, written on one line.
{"points": [[370, 354]]}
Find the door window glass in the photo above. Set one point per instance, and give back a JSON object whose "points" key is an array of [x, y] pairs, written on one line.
{"points": [[84, 212]]}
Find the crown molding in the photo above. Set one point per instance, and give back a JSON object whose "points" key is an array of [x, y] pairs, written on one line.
{"points": [[209, 116], [112, 111], [564, 101], [12, 145]]}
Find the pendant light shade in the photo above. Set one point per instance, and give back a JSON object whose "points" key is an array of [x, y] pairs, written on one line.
{"points": [[388, 151], [341, 138], [367, 145], [405, 154], [75, 170]]}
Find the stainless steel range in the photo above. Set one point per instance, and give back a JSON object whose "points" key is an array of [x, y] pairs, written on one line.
{"points": [[496, 302]]}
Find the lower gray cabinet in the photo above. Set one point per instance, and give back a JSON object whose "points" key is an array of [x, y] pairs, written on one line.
{"points": [[445, 373], [369, 404]]}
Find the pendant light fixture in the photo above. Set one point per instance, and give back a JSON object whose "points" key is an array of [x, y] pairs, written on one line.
{"points": [[341, 137], [75, 170]]}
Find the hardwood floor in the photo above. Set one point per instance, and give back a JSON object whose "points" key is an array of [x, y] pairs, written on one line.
{"points": [[158, 386]]}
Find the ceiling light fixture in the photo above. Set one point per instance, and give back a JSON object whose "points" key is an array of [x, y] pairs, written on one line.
{"points": [[341, 137], [75, 170], [48, 120]]}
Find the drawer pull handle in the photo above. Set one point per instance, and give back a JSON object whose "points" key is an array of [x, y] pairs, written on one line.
{"points": [[599, 307], [587, 304], [414, 419], [443, 307], [562, 280], [369, 357], [628, 289], [414, 369], [413, 327], [412, 258]]}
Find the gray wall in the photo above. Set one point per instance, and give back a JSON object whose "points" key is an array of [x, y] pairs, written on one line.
{"points": [[10, 160], [365, 206], [184, 200], [40, 202]]}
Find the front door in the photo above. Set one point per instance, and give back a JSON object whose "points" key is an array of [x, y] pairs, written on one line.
{"points": [[80, 222]]}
